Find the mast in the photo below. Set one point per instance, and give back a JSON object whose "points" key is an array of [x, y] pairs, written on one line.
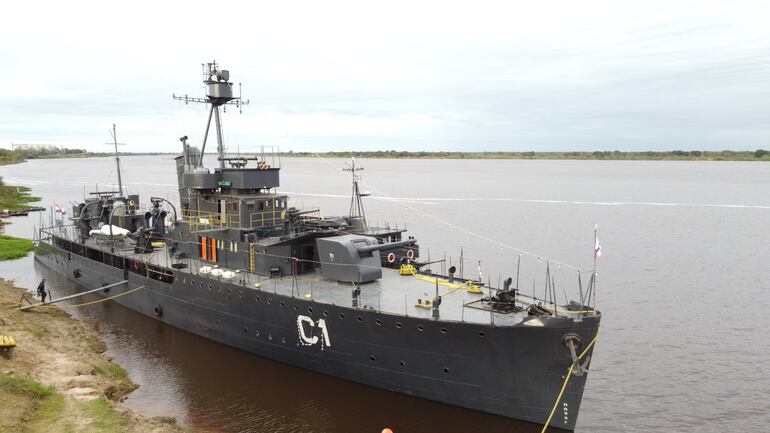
{"points": [[219, 92], [117, 157], [356, 215]]}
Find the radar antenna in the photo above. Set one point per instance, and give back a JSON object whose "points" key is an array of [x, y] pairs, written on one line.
{"points": [[219, 92], [356, 216], [117, 157]]}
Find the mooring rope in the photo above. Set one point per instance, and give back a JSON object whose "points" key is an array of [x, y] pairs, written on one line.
{"points": [[456, 227], [566, 379]]}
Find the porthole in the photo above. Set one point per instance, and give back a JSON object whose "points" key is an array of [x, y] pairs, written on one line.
{"points": [[310, 310], [342, 316], [398, 325], [378, 322], [482, 334], [257, 299], [372, 358], [295, 308], [210, 287], [360, 319], [420, 328], [229, 292], [446, 370], [256, 332], [403, 364], [443, 330], [283, 304], [201, 284], [325, 314], [240, 294], [245, 330], [269, 301]]}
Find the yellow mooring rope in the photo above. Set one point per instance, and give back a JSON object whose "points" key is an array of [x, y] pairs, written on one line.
{"points": [[98, 300], [566, 379], [79, 305]]}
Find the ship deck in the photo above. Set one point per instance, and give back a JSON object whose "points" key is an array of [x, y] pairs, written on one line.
{"points": [[393, 293]]}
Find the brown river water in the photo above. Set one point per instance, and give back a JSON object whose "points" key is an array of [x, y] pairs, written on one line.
{"points": [[683, 285]]}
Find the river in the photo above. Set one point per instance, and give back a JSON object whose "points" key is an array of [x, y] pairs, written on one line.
{"points": [[682, 284]]}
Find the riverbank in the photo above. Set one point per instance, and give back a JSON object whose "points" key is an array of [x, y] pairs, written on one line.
{"points": [[58, 378], [14, 198], [674, 155]]}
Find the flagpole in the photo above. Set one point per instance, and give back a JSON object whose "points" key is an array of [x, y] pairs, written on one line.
{"points": [[596, 240]]}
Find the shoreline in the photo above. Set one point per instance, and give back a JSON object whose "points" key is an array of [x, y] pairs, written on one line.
{"points": [[58, 378], [758, 155]]}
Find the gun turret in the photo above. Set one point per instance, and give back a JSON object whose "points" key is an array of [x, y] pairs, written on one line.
{"points": [[388, 246]]}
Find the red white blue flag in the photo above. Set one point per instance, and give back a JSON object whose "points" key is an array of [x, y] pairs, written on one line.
{"points": [[60, 209], [597, 249]]}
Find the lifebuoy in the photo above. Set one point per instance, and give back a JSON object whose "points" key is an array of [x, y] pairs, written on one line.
{"points": [[391, 258], [136, 265], [410, 254], [158, 310]]}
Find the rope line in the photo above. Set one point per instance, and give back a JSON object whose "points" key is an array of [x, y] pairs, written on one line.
{"points": [[566, 379], [453, 226]]}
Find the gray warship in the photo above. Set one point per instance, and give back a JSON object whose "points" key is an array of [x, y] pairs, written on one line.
{"points": [[233, 262]]}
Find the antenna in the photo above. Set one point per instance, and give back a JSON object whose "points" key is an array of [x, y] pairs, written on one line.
{"points": [[356, 215], [219, 93], [117, 157]]}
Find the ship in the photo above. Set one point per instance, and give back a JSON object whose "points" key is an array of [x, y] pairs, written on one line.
{"points": [[232, 261]]}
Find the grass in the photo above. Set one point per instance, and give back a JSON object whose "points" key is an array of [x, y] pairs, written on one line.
{"points": [[111, 370], [14, 248], [21, 385], [38, 331], [103, 416]]}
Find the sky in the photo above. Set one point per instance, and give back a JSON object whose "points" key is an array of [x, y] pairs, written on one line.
{"points": [[401, 75]]}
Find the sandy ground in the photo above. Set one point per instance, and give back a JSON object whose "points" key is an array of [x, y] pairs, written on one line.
{"points": [[67, 355]]}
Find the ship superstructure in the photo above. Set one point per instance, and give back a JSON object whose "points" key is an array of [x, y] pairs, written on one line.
{"points": [[237, 264]]}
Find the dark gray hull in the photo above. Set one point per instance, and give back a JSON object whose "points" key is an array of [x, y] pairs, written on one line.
{"points": [[513, 371]]}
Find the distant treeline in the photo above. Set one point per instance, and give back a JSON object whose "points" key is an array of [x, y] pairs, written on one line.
{"points": [[23, 154], [723, 155], [20, 155]]}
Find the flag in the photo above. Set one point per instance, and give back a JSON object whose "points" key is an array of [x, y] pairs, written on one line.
{"points": [[597, 249], [60, 209]]}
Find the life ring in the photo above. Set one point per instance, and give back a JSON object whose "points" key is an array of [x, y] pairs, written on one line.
{"points": [[391, 258], [136, 265], [409, 254], [158, 310]]}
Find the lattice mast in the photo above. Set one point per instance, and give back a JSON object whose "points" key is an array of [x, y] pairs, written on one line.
{"points": [[356, 215], [219, 92], [117, 157]]}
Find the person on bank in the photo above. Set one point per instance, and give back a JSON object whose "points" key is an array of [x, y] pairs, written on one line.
{"points": [[41, 290]]}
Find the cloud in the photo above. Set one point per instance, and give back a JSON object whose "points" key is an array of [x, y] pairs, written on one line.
{"points": [[402, 75]]}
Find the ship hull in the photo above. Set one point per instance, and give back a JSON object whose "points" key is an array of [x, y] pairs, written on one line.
{"points": [[512, 371]]}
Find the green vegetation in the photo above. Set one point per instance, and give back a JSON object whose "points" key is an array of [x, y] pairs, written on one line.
{"points": [[14, 248], [111, 370], [21, 385], [39, 152], [680, 155], [15, 197], [103, 416]]}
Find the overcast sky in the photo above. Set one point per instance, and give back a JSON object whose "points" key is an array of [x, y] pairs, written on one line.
{"points": [[327, 75]]}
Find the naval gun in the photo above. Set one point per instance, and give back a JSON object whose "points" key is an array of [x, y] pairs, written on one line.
{"points": [[353, 258]]}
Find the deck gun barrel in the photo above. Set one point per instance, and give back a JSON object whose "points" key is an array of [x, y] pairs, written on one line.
{"points": [[378, 247]]}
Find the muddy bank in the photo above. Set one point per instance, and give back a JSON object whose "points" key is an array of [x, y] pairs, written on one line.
{"points": [[57, 378]]}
